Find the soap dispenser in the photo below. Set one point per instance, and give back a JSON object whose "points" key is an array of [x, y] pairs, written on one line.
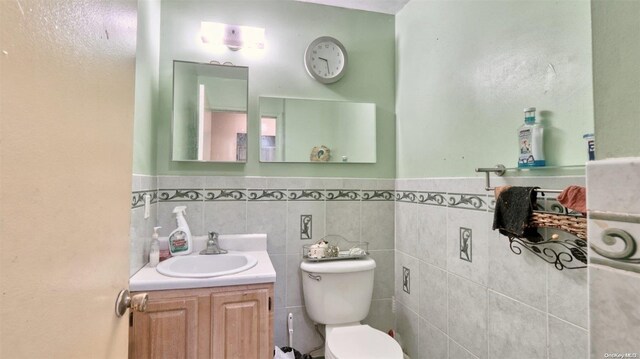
{"points": [[180, 239], [154, 252]]}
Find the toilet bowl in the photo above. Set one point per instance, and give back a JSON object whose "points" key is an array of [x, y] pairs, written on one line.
{"points": [[360, 341], [338, 295]]}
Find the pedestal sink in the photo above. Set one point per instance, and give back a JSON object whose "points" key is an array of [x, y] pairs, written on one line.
{"points": [[204, 266]]}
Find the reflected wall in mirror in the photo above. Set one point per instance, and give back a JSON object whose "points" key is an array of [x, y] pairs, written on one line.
{"points": [[301, 130], [209, 112]]}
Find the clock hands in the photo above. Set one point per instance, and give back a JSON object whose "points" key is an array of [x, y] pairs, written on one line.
{"points": [[326, 61]]}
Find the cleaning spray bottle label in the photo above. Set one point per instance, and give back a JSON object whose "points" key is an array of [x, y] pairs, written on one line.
{"points": [[178, 242]]}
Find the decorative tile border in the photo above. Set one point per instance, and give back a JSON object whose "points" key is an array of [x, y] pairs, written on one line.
{"points": [[615, 243], [306, 195], [343, 195], [306, 226], [406, 280], [137, 198], [266, 195], [466, 244], [470, 201], [252, 194], [432, 198], [378, 195], [406, 196], [231, 194], [467, 201], [180, 195], [454, 200]]}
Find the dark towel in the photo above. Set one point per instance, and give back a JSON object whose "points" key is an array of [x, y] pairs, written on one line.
{"points": [[514, 206]]}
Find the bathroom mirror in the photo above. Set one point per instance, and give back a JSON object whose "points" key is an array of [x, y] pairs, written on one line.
{"points": [[209, 112], [319, 131]]}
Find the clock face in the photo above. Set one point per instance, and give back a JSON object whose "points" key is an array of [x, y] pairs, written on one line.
{"points": [[326, 59]]}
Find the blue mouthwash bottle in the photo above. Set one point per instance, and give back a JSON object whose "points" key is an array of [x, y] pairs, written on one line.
{"points": [[530, 139]]}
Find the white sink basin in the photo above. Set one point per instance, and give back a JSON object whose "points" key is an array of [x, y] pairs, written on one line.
{"points": [[204, 266]]}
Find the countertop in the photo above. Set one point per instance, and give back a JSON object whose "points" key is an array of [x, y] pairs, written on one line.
{"points": [[148, 278]]}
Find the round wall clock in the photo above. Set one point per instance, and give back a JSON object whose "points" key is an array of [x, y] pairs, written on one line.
{"points": [[326, 59]]}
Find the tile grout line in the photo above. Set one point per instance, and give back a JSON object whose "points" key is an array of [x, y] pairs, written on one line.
{"points": [[463, 347], [517, 301], [546, 288], [488, 318], [576, 326]]}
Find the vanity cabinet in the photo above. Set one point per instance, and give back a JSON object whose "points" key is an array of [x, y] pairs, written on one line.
{"points": [[218, 323]]}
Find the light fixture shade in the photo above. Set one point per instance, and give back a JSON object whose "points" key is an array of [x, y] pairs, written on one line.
{"points": [[234, 37]]}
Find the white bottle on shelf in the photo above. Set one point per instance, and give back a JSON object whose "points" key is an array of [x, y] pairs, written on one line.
{"points": [[530, 140], [154, 252]]}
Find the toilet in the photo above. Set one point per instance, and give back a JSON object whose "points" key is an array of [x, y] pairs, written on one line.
{"points": [[338, 294]]}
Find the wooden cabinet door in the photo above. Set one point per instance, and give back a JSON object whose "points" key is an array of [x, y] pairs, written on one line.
{"points": [[168, 329], [240, 325]]}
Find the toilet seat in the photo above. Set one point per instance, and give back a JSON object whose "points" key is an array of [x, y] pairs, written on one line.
{"points": [[361, 341]]}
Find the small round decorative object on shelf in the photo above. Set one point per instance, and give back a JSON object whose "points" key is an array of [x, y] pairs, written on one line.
{"points": [[320, 154], [326, 59]]}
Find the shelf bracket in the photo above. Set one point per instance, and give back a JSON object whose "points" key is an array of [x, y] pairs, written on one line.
{"points": [[499, 170]]}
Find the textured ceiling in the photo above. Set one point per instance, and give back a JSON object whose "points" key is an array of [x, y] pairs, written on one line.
{"points": [[383, 6]]}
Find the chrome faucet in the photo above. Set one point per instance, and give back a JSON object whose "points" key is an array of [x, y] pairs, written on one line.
{"points": [[212, 245]]}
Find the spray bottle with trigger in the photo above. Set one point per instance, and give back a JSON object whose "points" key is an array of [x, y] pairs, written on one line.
{"points": [[180, 239]]}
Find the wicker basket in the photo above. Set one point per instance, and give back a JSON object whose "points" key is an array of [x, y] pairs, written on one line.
{"points": [[568, 223]]}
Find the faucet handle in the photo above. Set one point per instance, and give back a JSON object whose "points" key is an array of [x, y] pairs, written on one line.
{"points": [[213, 235]]}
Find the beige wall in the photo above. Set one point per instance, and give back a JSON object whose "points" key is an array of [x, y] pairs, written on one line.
{"points": [[224, 129], [67, 71]]}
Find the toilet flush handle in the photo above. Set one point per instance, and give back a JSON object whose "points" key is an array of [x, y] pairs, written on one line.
{"points": [[314, 277]]}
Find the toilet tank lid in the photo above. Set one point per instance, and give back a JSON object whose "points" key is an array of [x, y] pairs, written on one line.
{"points": [[339, 266]]}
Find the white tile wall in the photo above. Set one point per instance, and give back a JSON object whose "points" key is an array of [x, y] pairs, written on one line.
{"points": [[499, 305], [208, 209], [141, 228], [567, 341], [449, 310], [516, 330], [614, 311], [613, 202]]}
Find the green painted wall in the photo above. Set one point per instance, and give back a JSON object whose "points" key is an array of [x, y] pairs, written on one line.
{"points": [[146, 92], [279, 71], [616, 77], [225, 94], [466, 69]]}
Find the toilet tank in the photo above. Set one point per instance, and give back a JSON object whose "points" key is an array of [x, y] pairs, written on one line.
{"points": [[338, 292]]}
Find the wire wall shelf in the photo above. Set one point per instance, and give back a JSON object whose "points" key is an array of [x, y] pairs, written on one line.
{"points": [[563, 254], [570, 253]]}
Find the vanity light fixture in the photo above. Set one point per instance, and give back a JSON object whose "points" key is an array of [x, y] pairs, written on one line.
{"points": [[235, 37]]}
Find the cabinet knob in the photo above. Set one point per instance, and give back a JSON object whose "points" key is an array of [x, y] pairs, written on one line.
{"points": [[137, 303]]}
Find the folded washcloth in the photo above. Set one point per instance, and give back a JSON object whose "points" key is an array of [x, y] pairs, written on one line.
{"points": [[514, 206], [575, 198]]}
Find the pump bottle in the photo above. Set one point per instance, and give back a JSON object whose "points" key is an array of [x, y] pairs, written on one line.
{"points": [[154, 252]]}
